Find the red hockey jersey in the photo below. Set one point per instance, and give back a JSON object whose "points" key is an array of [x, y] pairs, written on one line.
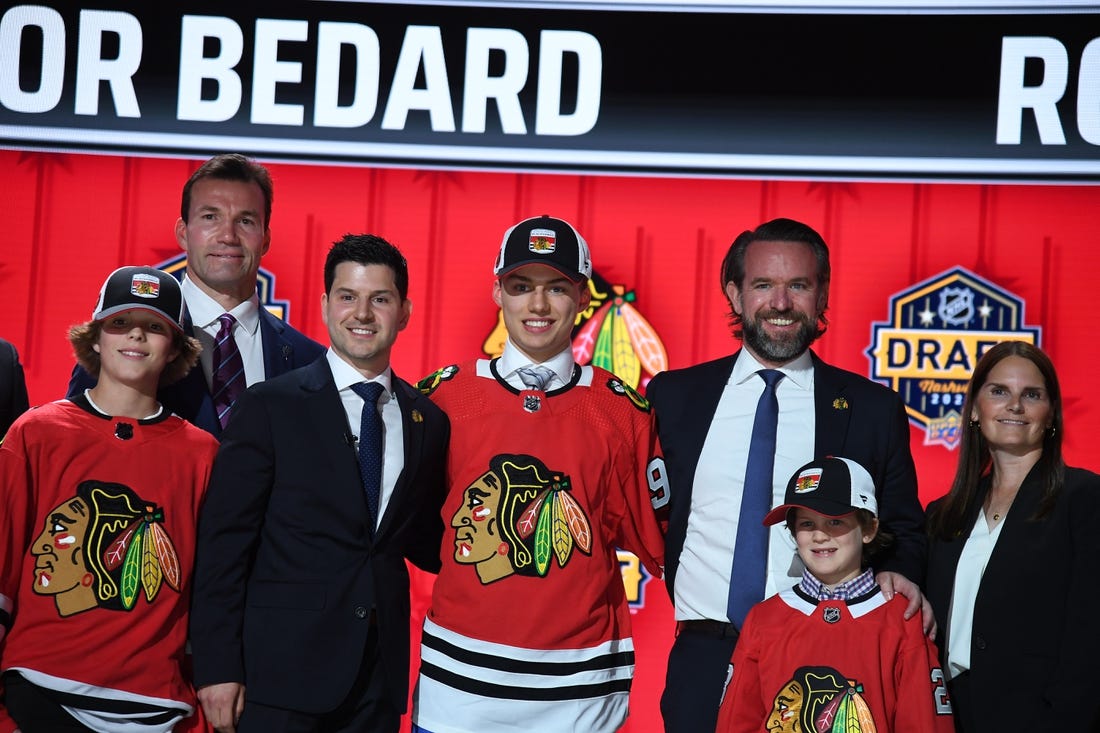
{"points": [[853, 666], [97, 550], [529, 627]]}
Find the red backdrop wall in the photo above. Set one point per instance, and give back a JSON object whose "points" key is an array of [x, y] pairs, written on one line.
{"points": [[72, 218]]}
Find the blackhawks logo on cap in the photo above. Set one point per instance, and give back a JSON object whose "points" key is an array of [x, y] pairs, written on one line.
{"points": [[808, 481], [144, 286], [542, 241]]}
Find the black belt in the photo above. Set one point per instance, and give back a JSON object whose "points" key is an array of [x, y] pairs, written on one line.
{"points": [[707, 627]]}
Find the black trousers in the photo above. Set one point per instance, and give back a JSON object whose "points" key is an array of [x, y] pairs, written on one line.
{"points": [[34, 711], [698, 670], [366, 709]]}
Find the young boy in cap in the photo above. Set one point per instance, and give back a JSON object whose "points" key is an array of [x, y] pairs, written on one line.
{"points": [[529, 628], [101, 496], [831, 654]]}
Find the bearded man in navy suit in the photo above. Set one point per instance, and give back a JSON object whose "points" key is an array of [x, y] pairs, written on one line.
{"points": [[776, 279], [225, 228]]}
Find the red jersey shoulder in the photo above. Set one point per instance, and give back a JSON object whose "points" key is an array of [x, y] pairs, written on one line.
{"points": [[429, 384], [619, 388]]}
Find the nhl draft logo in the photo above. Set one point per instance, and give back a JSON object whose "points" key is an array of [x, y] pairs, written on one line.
{"points": [[265, 286], [938, 329]]}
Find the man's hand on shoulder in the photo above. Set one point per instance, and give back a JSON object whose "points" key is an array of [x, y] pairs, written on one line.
{"points": [[892, 583], [222, 703]]}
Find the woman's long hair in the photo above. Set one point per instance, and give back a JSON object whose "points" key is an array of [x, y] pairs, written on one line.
{"points": [[975, 460]]}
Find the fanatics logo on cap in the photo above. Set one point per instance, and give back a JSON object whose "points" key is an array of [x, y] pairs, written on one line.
{"points": [[542, 241], [807, 481], [144, 286]]}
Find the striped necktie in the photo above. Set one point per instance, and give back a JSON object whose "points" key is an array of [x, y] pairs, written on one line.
{"points": [[227, 381]]}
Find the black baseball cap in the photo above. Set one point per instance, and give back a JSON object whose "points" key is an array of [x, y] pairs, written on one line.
{"points": [[141, 288], [544, 240], [830, 486]]}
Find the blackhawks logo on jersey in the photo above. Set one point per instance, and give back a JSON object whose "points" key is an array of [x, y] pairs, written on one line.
{"points": [[519, 517], [103, 548], [820, 700]]}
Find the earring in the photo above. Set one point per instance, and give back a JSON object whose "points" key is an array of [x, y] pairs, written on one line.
{"points": [[1051, 430], [502, 549], [974, 424], [86, 581]]}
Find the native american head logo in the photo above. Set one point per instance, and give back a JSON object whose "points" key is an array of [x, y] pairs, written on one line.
{"points": [[820, 700], [102, 548], [519, 517]]}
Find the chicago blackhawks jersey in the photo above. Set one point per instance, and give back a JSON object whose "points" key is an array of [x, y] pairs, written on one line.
{"points": [[529, 627], [96, 557], [834, 666]]}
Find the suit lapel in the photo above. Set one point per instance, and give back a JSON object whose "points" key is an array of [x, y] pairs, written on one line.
{"points": [[832, 413], [277, 351], [329, 431]]}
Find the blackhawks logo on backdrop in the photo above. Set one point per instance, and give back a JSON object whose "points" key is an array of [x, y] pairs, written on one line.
{"points": [[938, 329]]}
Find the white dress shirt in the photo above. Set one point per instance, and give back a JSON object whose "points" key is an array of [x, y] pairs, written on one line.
{"points": [[393, 446], [968, 577], [205, 312], [703, 577]]}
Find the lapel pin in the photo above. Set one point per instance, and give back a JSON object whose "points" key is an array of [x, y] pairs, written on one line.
{"points": [[840, 404], [416, 416]]}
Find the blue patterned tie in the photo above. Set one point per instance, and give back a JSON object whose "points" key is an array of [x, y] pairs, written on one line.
{"points": [[370, 445], [227, 380], [536, 377], [750, 553]]}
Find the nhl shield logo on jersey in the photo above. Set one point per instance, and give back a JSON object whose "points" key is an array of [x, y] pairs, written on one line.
{"points": [[820, 700], [102, 548], [517, 518], [938, 329]]}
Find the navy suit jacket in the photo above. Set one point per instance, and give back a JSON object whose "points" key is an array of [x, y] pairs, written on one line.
{"points": [[285, 348], [855, 418], [1035, 640], [287, 568]]}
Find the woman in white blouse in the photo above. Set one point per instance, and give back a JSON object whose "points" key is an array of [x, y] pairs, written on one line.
{"points": [[1012, 558]]}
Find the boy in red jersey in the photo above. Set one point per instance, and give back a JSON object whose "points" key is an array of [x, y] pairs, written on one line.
{"points": [[101, 495], [832, 654]]}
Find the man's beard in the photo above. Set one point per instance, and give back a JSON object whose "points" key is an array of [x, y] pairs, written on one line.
{"points": [[778, 351]]}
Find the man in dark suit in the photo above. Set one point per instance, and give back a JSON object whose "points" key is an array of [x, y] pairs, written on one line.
{"points": [[300, 612], [225, 228], [13, 387], [776, 279]]}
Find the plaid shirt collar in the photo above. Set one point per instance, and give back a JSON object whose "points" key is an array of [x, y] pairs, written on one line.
{"points": [[858, 586]]}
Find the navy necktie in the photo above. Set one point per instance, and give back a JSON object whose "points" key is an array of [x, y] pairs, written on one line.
{"points": [[370, 445], [227, 380], [750, 552], [536, 377]]}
